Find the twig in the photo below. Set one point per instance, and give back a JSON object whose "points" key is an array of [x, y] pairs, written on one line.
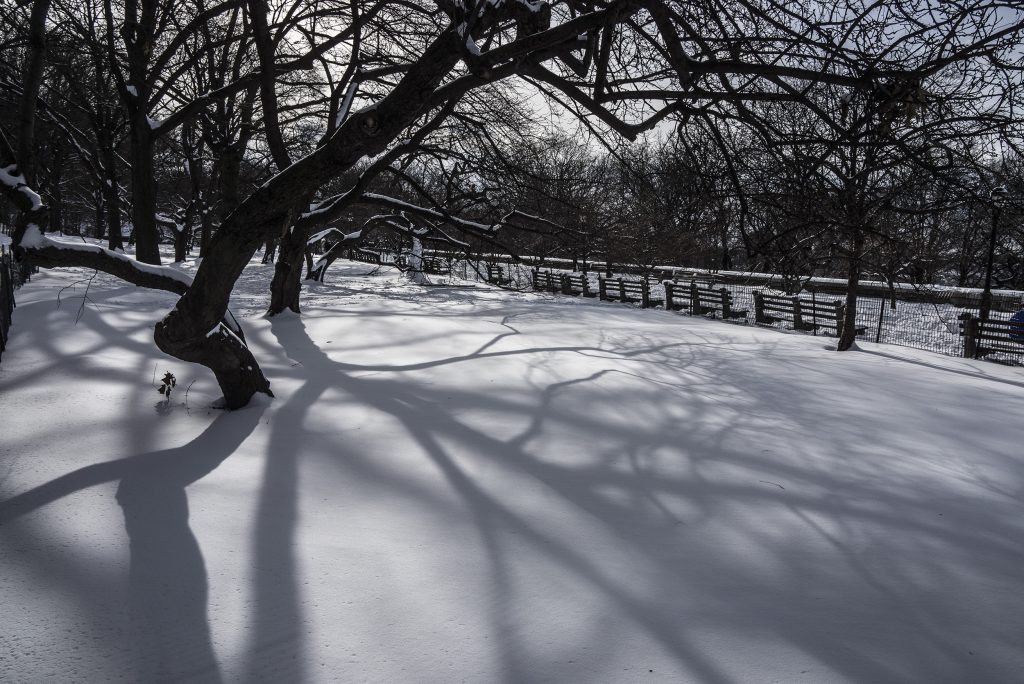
{"points": [[187, 410], [66, 287], [85, 296]]}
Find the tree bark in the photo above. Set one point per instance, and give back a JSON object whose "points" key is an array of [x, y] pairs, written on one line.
{"points": [[100, 226], [287, 282], [35, 60], [143, 190], [183, 234], [848, 334], [111, 197], [416, 273], [137, 34]]}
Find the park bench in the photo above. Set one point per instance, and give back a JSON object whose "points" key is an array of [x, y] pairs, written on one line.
{"points": [[702, 278], [364, 255], [496, 275], [545, 281], [620, 290], [573, 284], [700, 299], [577, 285], [988, 336], [805, 314], [436, 266]]}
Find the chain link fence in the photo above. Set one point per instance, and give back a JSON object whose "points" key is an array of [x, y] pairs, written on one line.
{"points": [[931, 321], [13, 274]]}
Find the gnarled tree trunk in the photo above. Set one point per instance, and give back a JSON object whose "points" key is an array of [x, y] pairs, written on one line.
{"points": [[287, 282]]}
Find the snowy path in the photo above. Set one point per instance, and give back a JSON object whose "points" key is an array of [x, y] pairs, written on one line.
{"points": [[472, 485]]}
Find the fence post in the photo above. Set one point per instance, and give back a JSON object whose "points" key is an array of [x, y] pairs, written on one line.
{"points": [[798, 314], [622, 291], [971, 329], [881, 317], [759, 307], [645, 294], [694, 298], [669, 304], [584, 285], [726, 303], [6, 297], [602, 288], [566, 285]]}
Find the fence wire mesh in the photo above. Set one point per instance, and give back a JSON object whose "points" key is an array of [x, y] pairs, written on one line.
{"points": [[13, 274], [933, 323]]}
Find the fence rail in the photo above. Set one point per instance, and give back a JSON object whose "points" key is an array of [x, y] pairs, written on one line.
{"points": [[935, 325], [929, 319], [13, 274]]}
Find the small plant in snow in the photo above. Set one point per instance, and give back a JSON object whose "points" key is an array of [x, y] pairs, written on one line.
{"points": [[167, 384]]}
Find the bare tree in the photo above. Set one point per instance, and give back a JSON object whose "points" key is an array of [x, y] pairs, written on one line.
{"points": [[623, 67]]}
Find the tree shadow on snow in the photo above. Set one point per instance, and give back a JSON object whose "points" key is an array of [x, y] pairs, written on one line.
{"points": [[804, 600], [167, 587], [425, 419]]}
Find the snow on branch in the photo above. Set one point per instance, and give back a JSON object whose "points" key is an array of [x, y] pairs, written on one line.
{"points": [[15, 187], [337, 234], [47, 251], [44, 251], [399, 205]]}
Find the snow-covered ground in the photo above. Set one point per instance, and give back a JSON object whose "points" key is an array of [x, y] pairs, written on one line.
{"points": [[474, 485]]}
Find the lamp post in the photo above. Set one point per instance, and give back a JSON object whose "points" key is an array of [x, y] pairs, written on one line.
{"points": [[986, 295]]}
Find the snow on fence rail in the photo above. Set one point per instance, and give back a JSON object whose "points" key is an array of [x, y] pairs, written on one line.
{"points": [[12, 275]]}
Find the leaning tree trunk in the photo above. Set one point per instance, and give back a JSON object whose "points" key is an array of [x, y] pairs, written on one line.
{"points": [[192, 331], [848, 334]]}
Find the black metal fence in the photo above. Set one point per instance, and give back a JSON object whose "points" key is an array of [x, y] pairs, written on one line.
{"points": [[932, 319], [933, 323], [13, 274]]}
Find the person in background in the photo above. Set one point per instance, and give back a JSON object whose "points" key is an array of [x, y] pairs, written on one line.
{"points": [[1017, 331]]}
